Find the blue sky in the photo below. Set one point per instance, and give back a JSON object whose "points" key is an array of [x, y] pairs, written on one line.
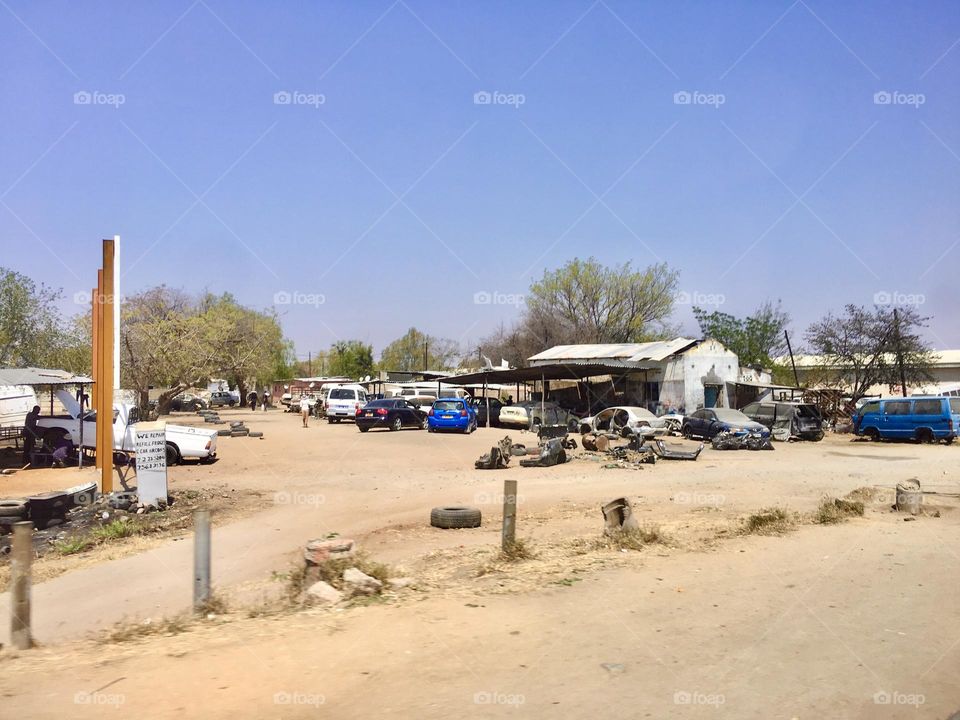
{"points": [[806, 151]]}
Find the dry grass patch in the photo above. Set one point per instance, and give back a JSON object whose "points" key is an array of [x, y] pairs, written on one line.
{"points": [[837, 510], [633, 539], [768, 521]]}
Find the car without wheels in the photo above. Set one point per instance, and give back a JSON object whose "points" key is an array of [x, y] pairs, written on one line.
{"points": [[707, 422]]}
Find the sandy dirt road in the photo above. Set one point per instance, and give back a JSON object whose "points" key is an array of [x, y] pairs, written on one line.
{"points": [[812, 624]]}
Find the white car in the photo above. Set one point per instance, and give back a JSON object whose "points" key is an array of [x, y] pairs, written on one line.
{"points": [[615, 419], [183, 441], [344, 401]]}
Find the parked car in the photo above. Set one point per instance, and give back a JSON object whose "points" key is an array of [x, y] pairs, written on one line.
{"points": [[617, 419], [452, 414], [183, 441], [531, 413], [799, 419], [480, 406], [924, 419], [424, 402], [707, 422], [392, 413], [187, 402], [344, 401], [219, 398]]}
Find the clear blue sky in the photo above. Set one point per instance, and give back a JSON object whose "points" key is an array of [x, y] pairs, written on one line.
{"points": [[398, 197]]}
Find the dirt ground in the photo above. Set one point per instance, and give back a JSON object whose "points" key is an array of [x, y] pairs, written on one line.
{"points": [[855, 620]]}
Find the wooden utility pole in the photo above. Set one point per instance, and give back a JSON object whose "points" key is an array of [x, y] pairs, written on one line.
{"points": [[509, 533], [903, 376], [796, 378], [104, 377], [201, 558]]}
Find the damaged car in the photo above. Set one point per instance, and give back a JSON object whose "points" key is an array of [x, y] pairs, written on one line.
{"points": [[707, 422], [532, 413], [621, 420], [788, 419]]}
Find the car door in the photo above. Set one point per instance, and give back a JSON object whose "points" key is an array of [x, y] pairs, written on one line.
{"points": [[711, 426], [697, 423], [409, 412], [897, 419]]}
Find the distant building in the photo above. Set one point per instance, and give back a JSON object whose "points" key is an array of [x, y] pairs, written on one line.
{"points": [[814, 371], [674, 375]]}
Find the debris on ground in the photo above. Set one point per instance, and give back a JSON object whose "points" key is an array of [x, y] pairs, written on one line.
{"points": [[498, 457], [618, 516], [741, 440], [551, 453], [909, 496], [452, 517]]}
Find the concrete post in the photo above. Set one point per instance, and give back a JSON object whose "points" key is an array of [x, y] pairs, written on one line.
{"points": [[21, 559]]}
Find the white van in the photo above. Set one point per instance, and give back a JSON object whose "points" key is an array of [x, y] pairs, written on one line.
{"points": [[344, 401], [15, 402]]}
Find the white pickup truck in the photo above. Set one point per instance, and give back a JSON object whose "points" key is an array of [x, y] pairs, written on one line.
{"points": [[183, 442]]}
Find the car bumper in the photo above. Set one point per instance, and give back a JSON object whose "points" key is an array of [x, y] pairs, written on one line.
{"points": [[436, 423], [369, 422]]}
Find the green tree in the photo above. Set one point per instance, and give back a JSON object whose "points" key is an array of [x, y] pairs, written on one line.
{"points": [[351, 358], [30, 324], [865, 347], [756, 339], [414, 348]]}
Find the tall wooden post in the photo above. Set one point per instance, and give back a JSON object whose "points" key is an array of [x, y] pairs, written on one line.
{"points": [[95, 355], [21, 558], [508, 534], [105, 379]]}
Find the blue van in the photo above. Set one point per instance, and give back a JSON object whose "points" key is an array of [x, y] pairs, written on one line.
{"points": [[924, 419]]}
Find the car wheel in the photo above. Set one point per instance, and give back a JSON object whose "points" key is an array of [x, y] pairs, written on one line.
{"points": [[173, 454], [455, 517], [424, 424], [685, 431], [361, 428], [396, 424]]}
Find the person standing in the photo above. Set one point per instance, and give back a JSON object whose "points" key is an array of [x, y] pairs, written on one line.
{"points": [[266, 396], [30, 435], [253, 400], [304, 409]]}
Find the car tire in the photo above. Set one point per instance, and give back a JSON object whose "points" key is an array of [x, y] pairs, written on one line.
{"points": [[173, 455], [424, 425], [397, 424], [223, 432], [13, 508], [447, 518], [255, 433], [361, 428], [873, 434], [685, 431]]}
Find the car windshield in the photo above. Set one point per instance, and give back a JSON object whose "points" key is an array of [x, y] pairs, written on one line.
{"points": [[730, 415], [342, 394], [446, 405]]}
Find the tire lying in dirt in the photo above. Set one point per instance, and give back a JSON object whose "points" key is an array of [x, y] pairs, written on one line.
{"points": [[223, 432], [454, 517], [236, 424], [13, 508], [255, 433], [239, 432]]}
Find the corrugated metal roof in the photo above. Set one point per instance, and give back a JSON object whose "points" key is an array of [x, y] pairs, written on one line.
{"points": [[40, 376], [626, 352], [943, 358]]}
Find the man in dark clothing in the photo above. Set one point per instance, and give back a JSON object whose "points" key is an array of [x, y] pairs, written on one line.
{"points": [[30, 435]]}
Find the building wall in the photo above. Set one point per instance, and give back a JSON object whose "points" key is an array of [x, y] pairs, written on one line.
{"points": [[683, 388]]}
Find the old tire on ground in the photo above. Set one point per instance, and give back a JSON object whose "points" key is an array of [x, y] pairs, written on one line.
{"points": [[236, 423], [13, 508], [255, 433], [454, 517], [223, 432], [173, 454]]}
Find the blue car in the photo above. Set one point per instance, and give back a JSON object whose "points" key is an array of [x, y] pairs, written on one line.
{"points": [[707, 422], [923, 419], [452, 414]]}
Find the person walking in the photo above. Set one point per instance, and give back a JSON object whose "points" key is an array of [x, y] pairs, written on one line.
{"points": [[253, 400], [266, 397], [304, 409]]}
